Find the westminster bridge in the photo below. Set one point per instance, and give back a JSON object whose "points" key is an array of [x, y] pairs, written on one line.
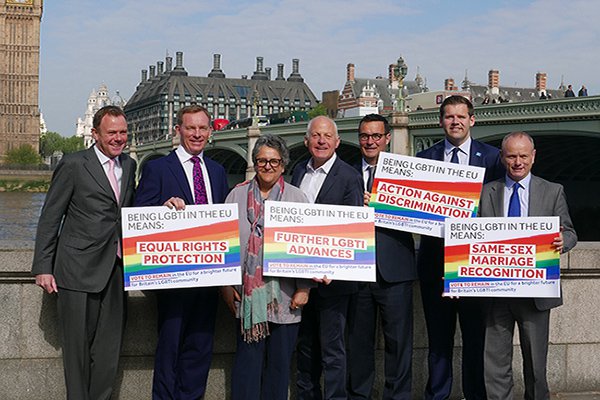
{"points": [[566, 132]]}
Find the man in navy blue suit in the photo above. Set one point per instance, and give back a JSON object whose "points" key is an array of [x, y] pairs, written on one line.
{"points": [[325, 179], [456, 119], [186, 317], [391, 295]]}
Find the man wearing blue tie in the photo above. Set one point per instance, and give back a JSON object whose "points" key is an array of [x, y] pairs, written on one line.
{"points": [[456, 119], [521, 194]]}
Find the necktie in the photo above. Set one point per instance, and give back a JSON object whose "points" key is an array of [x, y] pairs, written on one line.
{"points": [[114, 184], [112, 178], [371, 177], [199, 186], [454, 159], [514, 205]]}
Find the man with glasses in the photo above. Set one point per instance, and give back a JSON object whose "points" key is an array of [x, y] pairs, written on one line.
{"points": [[391, 295], [186, 317], [325, 179]]}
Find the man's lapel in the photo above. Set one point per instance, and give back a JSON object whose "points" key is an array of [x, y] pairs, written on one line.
{"points": [[176, 169], [93, 166]]}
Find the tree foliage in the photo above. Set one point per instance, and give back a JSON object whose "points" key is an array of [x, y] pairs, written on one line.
{"points": [[23, 155], [49, 143], [319, 109], [53, 141]]}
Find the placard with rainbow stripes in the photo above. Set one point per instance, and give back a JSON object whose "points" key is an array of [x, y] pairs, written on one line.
{"points": [[416, 195], [164, 248], [303, 240], [502, 257]]}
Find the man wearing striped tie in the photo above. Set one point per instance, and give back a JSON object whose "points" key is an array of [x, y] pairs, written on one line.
{"points": [[521, 194], [186, 317]]}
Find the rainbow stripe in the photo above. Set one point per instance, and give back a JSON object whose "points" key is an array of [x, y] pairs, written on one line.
{"points": [[221, 231], [546, 258], [275, 252]]}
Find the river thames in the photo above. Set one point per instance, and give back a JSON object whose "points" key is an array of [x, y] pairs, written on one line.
{"points": [[19, 214]]}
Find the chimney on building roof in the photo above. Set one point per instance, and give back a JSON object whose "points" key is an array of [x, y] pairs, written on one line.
{"points": [[391, 75], [540, 82], [494, 81], [259, 74], [268, 72], [280, 73], [152, 71], [350, 72], [179, 69], [493, 78], [449, 84], [216, 71], [144, 75], [169, 64], [295, 75], [159, 67]]}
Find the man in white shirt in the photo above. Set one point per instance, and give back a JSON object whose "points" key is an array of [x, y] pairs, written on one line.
{"points": [[325, 179], [186, 317]]}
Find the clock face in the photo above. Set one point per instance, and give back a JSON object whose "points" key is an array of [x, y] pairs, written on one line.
{"points": [[20, 2]]}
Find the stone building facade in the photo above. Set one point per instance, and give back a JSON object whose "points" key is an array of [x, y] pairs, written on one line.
{"points": [[151, 111], [97, 99], [362, 96], [19, 73]]}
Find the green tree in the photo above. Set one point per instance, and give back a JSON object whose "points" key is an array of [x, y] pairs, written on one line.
{"points": [[23, 155], [319, 109], [50, 142], [72, 144], [53, 141]]}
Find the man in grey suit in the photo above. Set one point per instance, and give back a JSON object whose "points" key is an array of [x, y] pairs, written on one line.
{"points": [[78, 255], [521, 194]]}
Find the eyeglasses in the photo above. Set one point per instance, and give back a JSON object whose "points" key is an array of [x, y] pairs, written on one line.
{"points": [[273, 162], [364, 137]]}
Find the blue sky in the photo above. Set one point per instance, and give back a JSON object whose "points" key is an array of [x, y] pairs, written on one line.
{"points": [[85, 42]]}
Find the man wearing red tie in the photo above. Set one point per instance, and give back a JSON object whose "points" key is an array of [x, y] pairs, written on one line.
{"points": [[186, 317]]}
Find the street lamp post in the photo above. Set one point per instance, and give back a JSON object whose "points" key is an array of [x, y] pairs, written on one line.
{"points": [[400, 72]]}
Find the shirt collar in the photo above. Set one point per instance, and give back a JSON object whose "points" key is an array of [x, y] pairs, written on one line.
{"points": [[465, 147], [103, 158], [325, 167], [523, 182], [184, 156], [365, 165]]}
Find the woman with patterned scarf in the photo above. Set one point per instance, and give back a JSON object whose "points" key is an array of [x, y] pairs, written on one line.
{"points": [[267, 309]]}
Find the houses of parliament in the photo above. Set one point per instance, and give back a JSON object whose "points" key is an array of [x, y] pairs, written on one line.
{"points": [[19, 73]]}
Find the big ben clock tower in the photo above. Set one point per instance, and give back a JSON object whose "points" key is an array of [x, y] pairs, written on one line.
{"points": [[19, 73]]}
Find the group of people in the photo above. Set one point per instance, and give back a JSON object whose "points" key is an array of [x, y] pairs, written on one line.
{"points": [[570, 93], [331, 325]]}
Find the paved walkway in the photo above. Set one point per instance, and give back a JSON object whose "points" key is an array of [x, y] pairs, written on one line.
{"points": [[576, 396]]}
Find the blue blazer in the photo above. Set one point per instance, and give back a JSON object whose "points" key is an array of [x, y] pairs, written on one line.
{"points": [[395, 253], [164, 178], [430, 260], [343, 186]]}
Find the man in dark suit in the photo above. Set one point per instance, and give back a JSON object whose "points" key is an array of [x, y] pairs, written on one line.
{"points": [[186, 317], [325, 179], [456, 119], [391, 294], [520, 193], [78, 255]]}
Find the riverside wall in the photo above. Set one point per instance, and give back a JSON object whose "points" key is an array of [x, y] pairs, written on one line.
{"points": [[31, 365]]}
